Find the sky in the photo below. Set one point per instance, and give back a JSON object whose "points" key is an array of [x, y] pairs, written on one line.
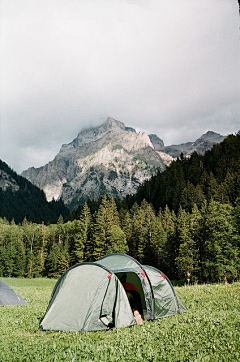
{"points": [[169, 67]]}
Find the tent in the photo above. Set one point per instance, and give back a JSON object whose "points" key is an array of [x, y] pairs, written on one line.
{"points": [[91, 296], [8, 296]]}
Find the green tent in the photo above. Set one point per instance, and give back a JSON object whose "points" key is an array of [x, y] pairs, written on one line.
{"points": [[91, 296], [8, 296]]}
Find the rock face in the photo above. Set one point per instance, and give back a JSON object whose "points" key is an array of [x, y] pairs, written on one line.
{"points": [[110, 159], [157, 142], [201, 145], [20, 199], [7, 182]]}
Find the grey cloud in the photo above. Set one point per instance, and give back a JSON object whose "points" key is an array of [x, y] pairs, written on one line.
{"points": [[165, 67]]}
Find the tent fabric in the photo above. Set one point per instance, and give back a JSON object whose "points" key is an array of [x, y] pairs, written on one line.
{"points": [[166, 302], [8, 296], [118, 262], [91, 296], [88, 297]]}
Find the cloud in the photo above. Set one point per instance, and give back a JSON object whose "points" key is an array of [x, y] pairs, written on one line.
{"points": [[164, 67]]}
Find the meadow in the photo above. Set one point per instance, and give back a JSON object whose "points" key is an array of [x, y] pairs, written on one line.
{"points": [[209, 331]]}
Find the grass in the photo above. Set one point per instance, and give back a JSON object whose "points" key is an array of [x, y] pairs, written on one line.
{"points": [[209, 331]]}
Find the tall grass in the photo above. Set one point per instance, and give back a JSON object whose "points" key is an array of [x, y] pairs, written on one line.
{"points": [[209, 331]]}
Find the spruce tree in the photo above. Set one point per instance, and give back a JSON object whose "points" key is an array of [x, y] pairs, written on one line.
{"points": [[30, 238], [81, 235], [116, 241], [171, 250], [106, 218], [221, 252], [148, 238], [138, 236], [187, 247], [100, 230], [126, 225]]}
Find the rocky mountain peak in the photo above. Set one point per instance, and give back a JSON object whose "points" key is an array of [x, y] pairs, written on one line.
{"points": [[157, 142], [110, 125], [207, 140], [113, 123], [211, 136], [94, 134], [109, 159], [201, 145]]}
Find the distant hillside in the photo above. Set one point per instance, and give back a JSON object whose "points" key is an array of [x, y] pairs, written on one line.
{"points": [[20, 199], [188, 181]]}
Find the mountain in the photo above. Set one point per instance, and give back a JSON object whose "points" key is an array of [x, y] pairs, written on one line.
{"points": [[201, 145], [20, 199], [196, 179], [110, 159]]}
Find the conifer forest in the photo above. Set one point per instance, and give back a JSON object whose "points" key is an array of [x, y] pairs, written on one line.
{"points": [[184, 221]]}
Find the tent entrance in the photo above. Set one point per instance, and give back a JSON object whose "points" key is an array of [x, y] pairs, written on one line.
{"points": [[132, 278]]}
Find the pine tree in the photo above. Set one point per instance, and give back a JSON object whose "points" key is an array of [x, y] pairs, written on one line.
{"points": [[126, 225], [190, 196], [236, 214], [144, 233], [171, 250], [12, 251], [137, 242], [106, 218], [116, 241], [30, 238], [52, 261], [20, 256], [148, 238], [131, 238], [196, 236], [3, 257], [57, 261], [156, 254], [81, 236], [231, 186], [185, 260], [41, 252], [100, 230], [221, 253]]}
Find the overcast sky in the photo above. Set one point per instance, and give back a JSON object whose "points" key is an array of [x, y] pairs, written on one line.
{"points": [[170, 67]]}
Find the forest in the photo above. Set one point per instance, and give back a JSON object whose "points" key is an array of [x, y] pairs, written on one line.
{"points": [[201, 245], [28, 202], [184, 221]]}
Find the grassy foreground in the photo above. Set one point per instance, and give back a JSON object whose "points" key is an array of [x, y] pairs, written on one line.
{"points": [[210, 331]]}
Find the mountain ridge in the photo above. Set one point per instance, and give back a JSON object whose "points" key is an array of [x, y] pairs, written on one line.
{"points": [[20, 199], [109, 159]]}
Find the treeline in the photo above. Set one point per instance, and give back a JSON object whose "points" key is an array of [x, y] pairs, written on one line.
{"points": [[28, 201], [201, 244]]}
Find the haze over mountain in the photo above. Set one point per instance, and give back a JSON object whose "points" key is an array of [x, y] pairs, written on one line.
{"points": [[109, 159], [164, 67]]}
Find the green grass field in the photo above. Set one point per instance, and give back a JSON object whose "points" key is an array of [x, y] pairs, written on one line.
{"points": [[210, 331]]}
